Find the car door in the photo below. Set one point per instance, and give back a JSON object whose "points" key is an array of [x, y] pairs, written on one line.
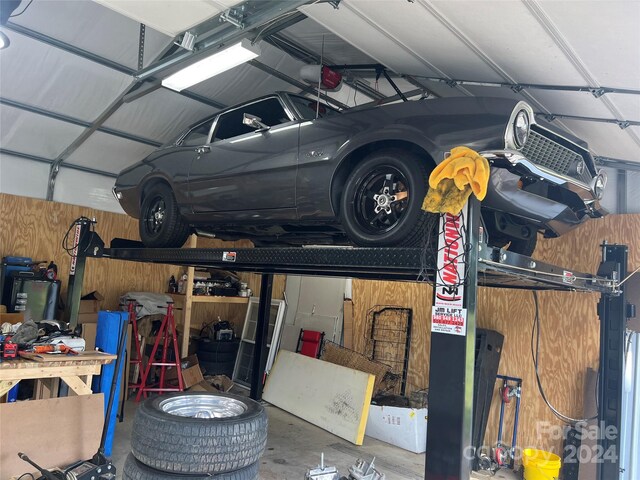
{"points": [[244, 169]]}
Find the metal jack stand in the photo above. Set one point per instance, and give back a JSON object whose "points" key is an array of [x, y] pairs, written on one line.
{"points": [[504, 455]]}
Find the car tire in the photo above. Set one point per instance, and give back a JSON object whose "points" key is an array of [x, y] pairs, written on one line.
{"points": [[217, 357], [135, 470], [406, 224], [218, 368], [217, 346], [166, 436], [160, 224]]}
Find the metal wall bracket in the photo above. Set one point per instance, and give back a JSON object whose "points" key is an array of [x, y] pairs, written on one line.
{"points": [[234, 16]]}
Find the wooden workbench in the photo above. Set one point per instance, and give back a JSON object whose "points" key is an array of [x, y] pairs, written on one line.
{"points": [[76, 371]]}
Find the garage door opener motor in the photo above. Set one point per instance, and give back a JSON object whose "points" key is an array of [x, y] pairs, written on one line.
{"points": [[99, 467]]}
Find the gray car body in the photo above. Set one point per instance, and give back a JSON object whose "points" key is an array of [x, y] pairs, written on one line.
{"points": [[286, 181]]}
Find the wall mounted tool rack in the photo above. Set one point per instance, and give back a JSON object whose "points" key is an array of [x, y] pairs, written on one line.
{"points": [[451, 356]]}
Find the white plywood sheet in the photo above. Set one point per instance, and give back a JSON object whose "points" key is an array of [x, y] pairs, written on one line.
{"points": [[330, 396], [15, 181]]}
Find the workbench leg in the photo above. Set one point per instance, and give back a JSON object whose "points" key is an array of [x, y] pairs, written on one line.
{"points": [[46, 388], [77, 385], [449, 452], [262, 334], [6, 385]]}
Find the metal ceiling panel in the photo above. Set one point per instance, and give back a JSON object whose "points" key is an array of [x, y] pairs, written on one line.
{"points": [[35, 134], [86, 190], [604, 35], [160, 115], [19, 176], [246, 82], [108, 153], [43, 76], [95, 28], [545, 42], [170, 17], [310, 35], [363, 34]]}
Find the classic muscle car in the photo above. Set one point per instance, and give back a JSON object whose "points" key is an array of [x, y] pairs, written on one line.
{"points": [[284, 169]]}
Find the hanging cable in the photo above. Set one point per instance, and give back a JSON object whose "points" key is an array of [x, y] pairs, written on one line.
{"points": [[535, 332]]}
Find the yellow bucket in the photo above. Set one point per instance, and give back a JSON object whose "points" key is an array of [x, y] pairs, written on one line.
{"points": [[540, 465]]}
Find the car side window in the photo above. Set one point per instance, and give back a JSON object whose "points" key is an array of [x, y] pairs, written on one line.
{"points": [[198, 135], [308, 108], [269, 110]]}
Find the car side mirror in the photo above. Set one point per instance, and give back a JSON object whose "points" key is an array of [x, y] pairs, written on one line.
{"points": [[254, 121]]}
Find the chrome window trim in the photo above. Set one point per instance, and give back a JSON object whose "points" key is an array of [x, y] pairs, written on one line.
{"points": [[286, 109]]}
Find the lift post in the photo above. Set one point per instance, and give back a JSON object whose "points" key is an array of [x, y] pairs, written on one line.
{"points": [[612, 310], [262, 337], [453, 341]]}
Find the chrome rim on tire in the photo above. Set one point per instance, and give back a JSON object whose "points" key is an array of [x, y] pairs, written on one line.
{"points": [[203, 406]]}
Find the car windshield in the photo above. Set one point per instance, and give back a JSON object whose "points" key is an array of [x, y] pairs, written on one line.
{"points": [[308, 108]]}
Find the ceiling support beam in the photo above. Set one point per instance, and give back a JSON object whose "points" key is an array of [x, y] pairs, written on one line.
{"points": [[76, 121], [296, 83], [66, 47], [217, 32], [290, 47], [550, 117], [35, 158]]}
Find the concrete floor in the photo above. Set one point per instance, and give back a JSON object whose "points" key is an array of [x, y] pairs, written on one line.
{"points": [[294, 446]]}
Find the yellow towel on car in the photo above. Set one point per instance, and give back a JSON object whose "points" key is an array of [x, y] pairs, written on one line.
{"points": [[452, 182]]}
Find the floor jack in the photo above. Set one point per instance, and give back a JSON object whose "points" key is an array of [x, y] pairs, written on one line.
{"points": [[99, 467]]}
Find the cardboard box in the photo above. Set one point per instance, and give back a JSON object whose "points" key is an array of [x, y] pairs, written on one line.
{"points": [[84, 318], [91, 302], [89, 331], [203, 386], [11, 318], [221, 382], [191, 373], [403, 427]]}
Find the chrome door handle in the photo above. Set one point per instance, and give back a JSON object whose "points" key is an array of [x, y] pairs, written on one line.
{"points": [[204, 149]]}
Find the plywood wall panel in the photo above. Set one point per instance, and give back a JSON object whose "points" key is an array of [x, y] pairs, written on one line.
{"points": [[569, 337], [35, 228]]}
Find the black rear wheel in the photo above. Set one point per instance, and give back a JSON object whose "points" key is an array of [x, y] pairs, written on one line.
{"points": [[382, 201], [160, 224]]}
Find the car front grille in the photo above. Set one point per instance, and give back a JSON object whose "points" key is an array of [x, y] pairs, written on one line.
{"points": [[547, 153]]}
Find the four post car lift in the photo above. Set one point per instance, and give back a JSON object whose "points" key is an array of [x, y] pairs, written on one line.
{"points": [[462, 263]]}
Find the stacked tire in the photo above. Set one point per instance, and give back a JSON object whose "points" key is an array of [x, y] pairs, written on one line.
{"points": [[197, 435], [217, 357]]}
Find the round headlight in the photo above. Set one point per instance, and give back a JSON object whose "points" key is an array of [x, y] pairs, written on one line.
{"points": [[521, 128], [599, 183]]}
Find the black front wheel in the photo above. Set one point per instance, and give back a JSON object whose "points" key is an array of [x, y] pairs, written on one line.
{"points": [[160, 224], [382, 201]]}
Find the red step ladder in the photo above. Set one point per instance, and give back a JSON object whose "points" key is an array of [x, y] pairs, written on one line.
{"points": [[137, 359], [167, 333]]}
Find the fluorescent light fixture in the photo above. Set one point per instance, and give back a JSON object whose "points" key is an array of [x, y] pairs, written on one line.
{"points": [[213, 65]]}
